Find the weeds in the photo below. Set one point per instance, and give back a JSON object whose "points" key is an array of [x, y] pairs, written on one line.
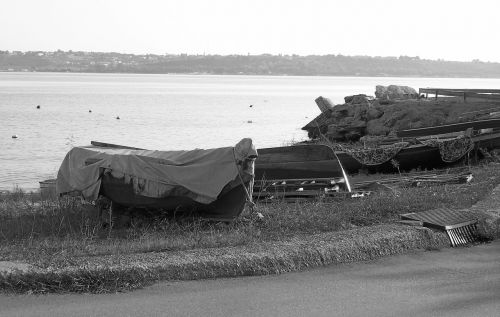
{"points": [[55, 233]]}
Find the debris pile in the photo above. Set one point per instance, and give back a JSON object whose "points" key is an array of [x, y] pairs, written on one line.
{"points": [[393, 108]]}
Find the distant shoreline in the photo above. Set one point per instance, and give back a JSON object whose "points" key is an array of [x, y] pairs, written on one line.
{"points": [[264, 64], [249, 74]]}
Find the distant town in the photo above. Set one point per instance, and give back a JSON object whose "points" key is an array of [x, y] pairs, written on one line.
{"points": [[265, 64]]}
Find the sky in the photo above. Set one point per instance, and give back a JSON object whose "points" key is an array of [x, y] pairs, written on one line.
{"points": [[438, 29]]}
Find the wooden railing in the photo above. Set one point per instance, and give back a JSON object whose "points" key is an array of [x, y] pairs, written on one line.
{"points": [[487, 94]]}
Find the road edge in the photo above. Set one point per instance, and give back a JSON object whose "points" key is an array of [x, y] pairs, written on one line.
{"points": [[126, 272]]}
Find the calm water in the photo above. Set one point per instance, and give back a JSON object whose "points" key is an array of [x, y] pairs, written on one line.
{"points": [[164, 112]]}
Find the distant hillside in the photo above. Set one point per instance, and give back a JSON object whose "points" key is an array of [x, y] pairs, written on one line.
{"points": [[321, 65]]}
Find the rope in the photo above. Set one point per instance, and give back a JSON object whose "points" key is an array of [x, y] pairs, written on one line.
{"points": [[249, 200]]}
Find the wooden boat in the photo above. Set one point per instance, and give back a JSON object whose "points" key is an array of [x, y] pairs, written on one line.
{"points": [[420, 156], [297, 161], [170, 193], [310, 161], [228, 206], [299, 171]]}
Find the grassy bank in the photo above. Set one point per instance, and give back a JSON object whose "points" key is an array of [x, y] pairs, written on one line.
{"points": [[56, 234], [130, 271]]}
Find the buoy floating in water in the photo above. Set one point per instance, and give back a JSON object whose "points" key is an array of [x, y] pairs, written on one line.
{"points": [[117, 117], [14, 136], [90, 111], [251, 106], [38, 107]]}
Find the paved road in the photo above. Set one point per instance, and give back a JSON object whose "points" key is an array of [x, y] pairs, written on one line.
{"points": [[451, 282]]}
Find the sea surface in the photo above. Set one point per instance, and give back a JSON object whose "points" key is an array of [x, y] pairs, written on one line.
{"points": [[163, 112]]}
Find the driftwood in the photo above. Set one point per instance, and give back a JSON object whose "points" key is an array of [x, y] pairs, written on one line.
{"points": [[324, 104]]}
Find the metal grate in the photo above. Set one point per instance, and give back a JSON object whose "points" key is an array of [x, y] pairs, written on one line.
{"points": [[459, 226]]}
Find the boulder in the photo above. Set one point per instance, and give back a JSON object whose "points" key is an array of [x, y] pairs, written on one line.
{"points": [[343, 109], [333, 133], [358, 124], [345, 122], [393, 92], [374, 113], [359, 112], [376, 127], [352, 136], [360, 99], [348, 99]]}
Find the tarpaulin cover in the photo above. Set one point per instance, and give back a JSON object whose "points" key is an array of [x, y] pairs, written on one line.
{"points": [[204, 173]]}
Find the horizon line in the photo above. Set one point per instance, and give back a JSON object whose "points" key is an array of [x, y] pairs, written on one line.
{"points": [[249, 54]]}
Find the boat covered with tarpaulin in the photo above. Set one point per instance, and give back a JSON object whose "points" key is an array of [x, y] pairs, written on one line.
{"points": [[214, 183]]}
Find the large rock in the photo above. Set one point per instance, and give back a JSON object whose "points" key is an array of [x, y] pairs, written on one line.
{"points": [[374, 113], [393, 92], [376, 127], [360, 99], [341, 110], [359, 112], [347, 130]]}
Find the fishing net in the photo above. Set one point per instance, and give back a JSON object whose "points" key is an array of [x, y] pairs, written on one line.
{"points": [[375, 155], [451, 150]]}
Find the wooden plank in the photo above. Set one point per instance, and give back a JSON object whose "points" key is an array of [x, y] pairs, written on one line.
{"points": [[442, 136], [309, 194], [294, 187], [324, 104], [481, 111], [291, 180], [449, 128], [278, 194], [431, 90], [114, 146], [305, 193], [486, 137], [304, 169], [487, 94], [295, 153], [467, 95]]}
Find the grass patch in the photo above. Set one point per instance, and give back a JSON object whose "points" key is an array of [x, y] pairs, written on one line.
{"points": [[118, 273], [55, 234]]}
